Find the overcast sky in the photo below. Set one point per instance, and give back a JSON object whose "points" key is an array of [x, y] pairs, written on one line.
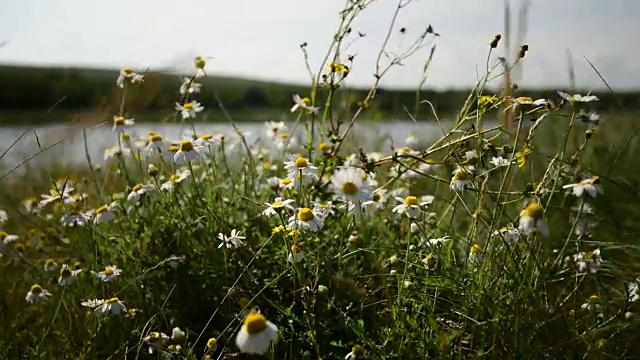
{"points": [[260, 38]]}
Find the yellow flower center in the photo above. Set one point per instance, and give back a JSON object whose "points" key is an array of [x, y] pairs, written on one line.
{"points": [[125, 137], [305, 214], [277, 204], [187, 106], [524, 99], [349, 188], [301, 162], [476, 249], [19, 247], [212, 342], [3, 235], [186, 145], [306, 101], [77, 265], [285, 136], [206, 137], [49, 263], [324, 147], [357, 350], [255, 323], [286, 181], [200, 62], [411, 201], [36, 289], [119, 121], [173, 148], [376, 197], [137, 188], [594, 299], [127, 71], [155, 137], [112, 301], [404, 150], [102, 209], [65, 272], [534, 210], [108, 272], [461, 175]]}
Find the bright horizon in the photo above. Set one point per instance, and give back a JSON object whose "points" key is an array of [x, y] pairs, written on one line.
{"points": [[260, 40]]}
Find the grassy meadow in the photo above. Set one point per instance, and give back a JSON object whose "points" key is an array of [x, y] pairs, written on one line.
{"points": [[513, 242]]}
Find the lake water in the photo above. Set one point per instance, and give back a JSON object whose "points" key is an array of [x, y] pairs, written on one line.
{"points": [[67, 144]]}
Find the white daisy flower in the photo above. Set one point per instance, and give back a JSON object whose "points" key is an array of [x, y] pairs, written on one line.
{"points": [[92, 303], [348, 183], [303, 103], [3, 217], [6, 239], [68, 276], [296, 255], [284, 139], [274, 128], [235, 240], [50, 265], [119, 123], [409, 205], [186, 152], [31, 206], [157, 341], [532, 218], [592, 304], [475, 254], [357, 352], [524, 100], [499, 161], [139, 190], [588, 262], [104, 214], [438, 241], [405, 150], [128, 75], [113, 306], [205, 140], [109, 273], [591, 118], [156, 145], [74, 219], [324, 209], [190, 109], [508, 233], [378, 200], [56, 195], [461, 178], [37, 294], [189, 86], [306, 219], [577, 97], [591, 186], [278, 205], [256, 335], [411, 140], [297, 164], [174, 179], [286, 183], [174, 261]]}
